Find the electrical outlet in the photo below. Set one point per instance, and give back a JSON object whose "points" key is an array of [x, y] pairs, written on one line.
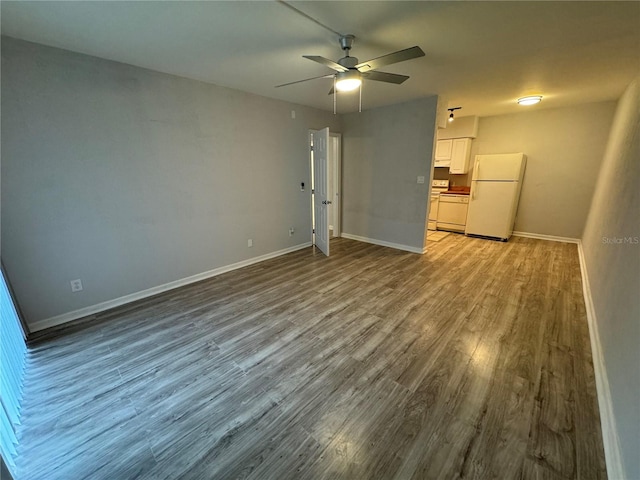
{"points": [[291, 231], [250, 243], [420, 179], [76, 285]]}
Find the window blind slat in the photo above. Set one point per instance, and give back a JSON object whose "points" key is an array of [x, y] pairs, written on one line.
{"points": [[13, 353]]}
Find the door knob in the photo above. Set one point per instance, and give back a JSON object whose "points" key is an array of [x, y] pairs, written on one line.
{"points": [[326, 202]]}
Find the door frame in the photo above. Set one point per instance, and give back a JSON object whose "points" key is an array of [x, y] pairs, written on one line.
{"points": [[336, 167]]}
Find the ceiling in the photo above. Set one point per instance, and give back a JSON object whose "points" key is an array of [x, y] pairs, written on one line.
{"points": [[479, 55]]}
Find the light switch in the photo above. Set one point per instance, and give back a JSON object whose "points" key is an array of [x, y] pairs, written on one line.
{"points": [[420, 179]]}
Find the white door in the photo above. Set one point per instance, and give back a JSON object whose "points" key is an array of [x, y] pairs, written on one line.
{"points": [[321, 201]]}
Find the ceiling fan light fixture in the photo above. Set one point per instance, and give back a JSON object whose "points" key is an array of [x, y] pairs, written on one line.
{"points": [[348, 81], [530, 100]]}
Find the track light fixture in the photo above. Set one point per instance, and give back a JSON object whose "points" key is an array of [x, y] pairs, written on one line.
{"points": [[451, 114]]}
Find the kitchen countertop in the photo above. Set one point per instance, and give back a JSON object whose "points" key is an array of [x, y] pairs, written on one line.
{"points": [[457, 191]]}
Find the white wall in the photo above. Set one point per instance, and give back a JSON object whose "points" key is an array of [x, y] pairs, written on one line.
{"points": [[129, 179], [564, 148], [611, 246], [385, 150]]}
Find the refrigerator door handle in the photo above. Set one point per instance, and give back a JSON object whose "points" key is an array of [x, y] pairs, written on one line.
{"points": [[477, 169]]}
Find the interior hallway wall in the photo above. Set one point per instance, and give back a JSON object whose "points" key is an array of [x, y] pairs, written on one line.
{"points": [[611, 246], [384, 151], [129, 179]]}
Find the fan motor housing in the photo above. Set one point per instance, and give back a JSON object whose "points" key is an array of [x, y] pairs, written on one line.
{"points": [[348, 62]]}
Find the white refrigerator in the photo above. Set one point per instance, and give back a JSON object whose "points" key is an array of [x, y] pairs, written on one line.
{"points": [[495, 191]]}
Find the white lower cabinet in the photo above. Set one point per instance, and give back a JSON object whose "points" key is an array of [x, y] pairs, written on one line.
{"points": [[452, 212]]}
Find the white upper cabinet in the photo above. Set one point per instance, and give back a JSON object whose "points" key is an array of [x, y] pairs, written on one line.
{"points": [[443, 153], [460, 150], [453, 153]]}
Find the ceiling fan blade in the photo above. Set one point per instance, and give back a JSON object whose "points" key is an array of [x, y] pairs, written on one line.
{"points": [[395, 57], [305, 80], [385, 77], [329, 63]]}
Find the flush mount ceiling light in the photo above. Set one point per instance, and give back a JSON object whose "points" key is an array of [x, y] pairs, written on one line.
{"points": [[530, 100], [451, 114], [348, 81]]}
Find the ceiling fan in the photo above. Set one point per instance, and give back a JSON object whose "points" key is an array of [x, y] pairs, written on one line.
{"points": [[349, 73]]}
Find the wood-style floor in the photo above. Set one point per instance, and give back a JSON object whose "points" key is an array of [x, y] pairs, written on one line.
{"points": [[471, 361]]}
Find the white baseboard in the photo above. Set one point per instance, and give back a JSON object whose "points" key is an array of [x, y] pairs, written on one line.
{"points": [[101, 307], [382, 243], [610, 439], [552, 238]]}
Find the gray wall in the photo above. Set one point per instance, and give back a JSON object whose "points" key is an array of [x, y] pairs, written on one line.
{"points": [[130, 179], [564, 148], [612, 256], [384, 151]]}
